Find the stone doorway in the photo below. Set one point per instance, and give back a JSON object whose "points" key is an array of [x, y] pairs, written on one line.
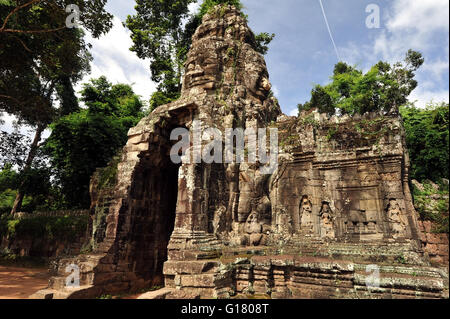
{"points": [[155, 199], [152, 204]]}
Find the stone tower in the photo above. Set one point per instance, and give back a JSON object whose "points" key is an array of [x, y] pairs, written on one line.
{"points": [[338, 198]]}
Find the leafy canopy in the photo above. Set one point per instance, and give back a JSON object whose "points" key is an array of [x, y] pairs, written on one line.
{"points": [[427, 137], [42, 58], [85, 140], [383, 87]]}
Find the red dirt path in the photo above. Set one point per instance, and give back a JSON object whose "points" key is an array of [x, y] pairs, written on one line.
{"points": [[20, 283]]}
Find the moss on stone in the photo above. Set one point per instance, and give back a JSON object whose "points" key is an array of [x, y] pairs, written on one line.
{"points": [[433, 205], [108, 175]]}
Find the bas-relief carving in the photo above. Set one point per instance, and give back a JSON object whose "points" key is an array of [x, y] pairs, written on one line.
{"points": [[284, 223], [255, 230], [327, 227], [396, 219], [306, 216]]}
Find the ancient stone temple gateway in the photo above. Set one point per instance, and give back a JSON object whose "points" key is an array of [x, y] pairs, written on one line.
{"points": [[338, 202]]}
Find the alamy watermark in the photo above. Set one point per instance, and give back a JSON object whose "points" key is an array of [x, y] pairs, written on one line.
{"points": [[209, 145], [73, 280], [373, 278], [73, 19], [373, 20]]}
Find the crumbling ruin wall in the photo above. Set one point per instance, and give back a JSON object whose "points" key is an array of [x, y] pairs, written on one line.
{"points": [[345, 178], [435, 245]]}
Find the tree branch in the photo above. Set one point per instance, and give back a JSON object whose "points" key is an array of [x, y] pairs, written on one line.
{"points": [[23, 44], [2, 29], [32, 31], [15, 10], [11, 98]]}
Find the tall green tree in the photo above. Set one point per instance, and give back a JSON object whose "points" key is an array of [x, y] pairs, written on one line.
{"points": [[162, 30], [85, 140], [384, 87], [427, 137], [42, 57]]}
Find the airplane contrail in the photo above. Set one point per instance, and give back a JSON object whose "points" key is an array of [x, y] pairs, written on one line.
{"points": [[329, 31]]}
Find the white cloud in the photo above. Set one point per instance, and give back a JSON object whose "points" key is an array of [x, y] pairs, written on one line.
{"points": [[423, 96], [293, 112], [113, 59], [436, 68], [412, 24], [275, 91], [193, 7], [420, 16]]}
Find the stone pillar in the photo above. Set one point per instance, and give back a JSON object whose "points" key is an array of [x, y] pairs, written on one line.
{"points": [[243, 277], [261, 274]]}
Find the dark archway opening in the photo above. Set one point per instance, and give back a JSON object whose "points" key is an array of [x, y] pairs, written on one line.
{"points": [[156, 220], [153, 201]]}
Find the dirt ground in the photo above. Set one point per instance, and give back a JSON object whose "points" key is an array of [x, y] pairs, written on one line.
{"points": [[20, 283]]}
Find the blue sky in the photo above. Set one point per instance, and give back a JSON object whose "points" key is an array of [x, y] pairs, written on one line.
{"points": [[302, 53]]}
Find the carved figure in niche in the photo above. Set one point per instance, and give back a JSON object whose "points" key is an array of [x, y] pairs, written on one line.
{"points": [[254, 229], [220, 221], [264, 210], [246, 191], [398, 225], [232, 175], [326, 221], [306, 215], [284, 222]]}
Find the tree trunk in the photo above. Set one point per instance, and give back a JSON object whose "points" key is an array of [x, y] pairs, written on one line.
{"points": [[31, 155]]}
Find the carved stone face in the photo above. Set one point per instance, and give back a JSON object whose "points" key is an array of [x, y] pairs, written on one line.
{"points": [[326, 209], [326, 218], [306, 206], [201, 70], [257, 79]]}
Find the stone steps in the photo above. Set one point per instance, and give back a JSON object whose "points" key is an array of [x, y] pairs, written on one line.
{"points": [[64, 293], [158, 294]]}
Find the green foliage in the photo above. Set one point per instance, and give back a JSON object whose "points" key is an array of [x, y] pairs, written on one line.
{"points": [[60, 228], [383, 87], [208, 6], [331, 132], [7, 197], [41, 61], [433, 205], [158, 34], [320, 99], [400, 259], [427, 137], [309, 120], [42, 58], [109, 173], [34, 182], [88, 139], [8, 177], [262, 42], [159, 98]]}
